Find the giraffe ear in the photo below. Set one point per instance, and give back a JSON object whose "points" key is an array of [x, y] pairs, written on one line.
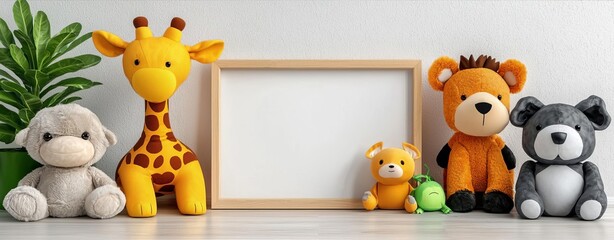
{"points": [[109, 44], [206, 51], [441, 71]]}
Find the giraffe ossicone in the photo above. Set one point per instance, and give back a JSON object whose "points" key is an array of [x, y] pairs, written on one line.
{"points": [[158, 163]]}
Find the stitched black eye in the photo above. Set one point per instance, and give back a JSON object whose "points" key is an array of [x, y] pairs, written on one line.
{"points": [[499, 97], [538, 127], [168, 64], [402, 162], [136, 62], [381, 162], [85, 135], [47, 137], [463, 97], [578, 128]]}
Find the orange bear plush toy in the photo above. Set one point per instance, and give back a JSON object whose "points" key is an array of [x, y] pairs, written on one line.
{"points": [[476, 102]]}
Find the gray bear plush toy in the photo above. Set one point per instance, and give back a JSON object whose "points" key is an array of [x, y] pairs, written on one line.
{"points": [[560, 137], [67, 140]]}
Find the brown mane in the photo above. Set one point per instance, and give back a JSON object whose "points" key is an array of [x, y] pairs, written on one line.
{"points": [[483, 61]]}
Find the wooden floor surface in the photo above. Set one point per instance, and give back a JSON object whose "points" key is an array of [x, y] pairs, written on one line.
{"points": [[311, 224]]}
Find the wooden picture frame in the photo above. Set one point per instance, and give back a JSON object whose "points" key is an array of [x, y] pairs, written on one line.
{"points": [[223, 117]]}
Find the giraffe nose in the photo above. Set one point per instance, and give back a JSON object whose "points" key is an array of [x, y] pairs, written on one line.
{"points": [[483, 107], [154, 84], [558, 137]]}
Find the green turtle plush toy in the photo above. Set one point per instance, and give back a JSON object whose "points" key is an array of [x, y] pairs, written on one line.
{"points": [[429, 194]]}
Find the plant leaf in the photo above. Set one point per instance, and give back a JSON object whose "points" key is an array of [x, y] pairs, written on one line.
{"points": [[10, 99], [63, 38], [19, 57], [41, 34], [25, 115], [27, 46], [72, 45], [7, 75], [23, 16], [76, 82], [58, 97], [70, 100], [28, 100], [88, 60], [62, 67], [7, 133], [9, 117], [7, 61], [6, 37], [36, 79]]}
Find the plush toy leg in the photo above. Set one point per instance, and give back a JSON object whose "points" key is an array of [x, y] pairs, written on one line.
{"points": [[190, 190], [593, 201], [459, 186], [369, 202], [410, 204], [498, 197], [140, 196], [105, 202], [26, 203], [528, 203]]}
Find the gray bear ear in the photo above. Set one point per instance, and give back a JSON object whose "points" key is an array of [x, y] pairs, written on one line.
{"points": [[20, 138], [525, 109], [594, 108], [110, 136]]}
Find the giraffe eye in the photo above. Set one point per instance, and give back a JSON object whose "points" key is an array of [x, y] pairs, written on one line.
{"points": [[168, 64], [137, 62]]}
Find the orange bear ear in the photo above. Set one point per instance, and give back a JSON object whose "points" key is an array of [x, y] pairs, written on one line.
{"points": [[514, 73], [441, 70], [374, 150]]}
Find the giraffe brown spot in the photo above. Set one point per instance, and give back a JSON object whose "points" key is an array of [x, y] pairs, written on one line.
{"points": [[175, 162], [164, 178], [157, 107], [167, 188], [151, 122], [158, 162], [171, 137], [139, 143], [167, 121], [154, 145], [189, 157], [128, 158], [177, 147], [118, 181], [141, 160]]}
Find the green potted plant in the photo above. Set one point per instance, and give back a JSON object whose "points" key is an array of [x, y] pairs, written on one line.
{"points": [[32, 78]]}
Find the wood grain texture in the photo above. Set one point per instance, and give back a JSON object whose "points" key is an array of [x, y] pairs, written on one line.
{"points": [[310, 224], [412, 66]]}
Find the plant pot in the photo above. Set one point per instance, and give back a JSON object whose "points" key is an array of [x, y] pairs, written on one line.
{"points": [[15, 163]]}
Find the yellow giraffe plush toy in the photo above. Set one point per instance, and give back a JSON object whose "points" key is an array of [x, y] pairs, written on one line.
{"points": [[392, 168], [159, 163]]}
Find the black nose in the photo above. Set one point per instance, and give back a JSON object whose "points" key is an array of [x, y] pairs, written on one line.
{"points": [[391, 166], [558, 137], [483, 107]]}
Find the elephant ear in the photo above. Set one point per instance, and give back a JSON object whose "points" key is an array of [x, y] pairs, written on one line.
{"points": [[20, 138], [594, 109], [524, 110]]}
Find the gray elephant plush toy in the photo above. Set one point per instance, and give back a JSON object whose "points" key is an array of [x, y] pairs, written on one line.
{"points": [[67, 140], [560, 138]]}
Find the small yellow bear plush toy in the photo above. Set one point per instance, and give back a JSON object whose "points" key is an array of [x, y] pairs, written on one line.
{"points": [[392, 168]]}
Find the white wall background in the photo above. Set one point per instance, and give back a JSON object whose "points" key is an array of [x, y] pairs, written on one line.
{"points": [[568, 48]]}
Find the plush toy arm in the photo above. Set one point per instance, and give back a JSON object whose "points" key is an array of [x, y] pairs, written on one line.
{"points": [[444, 156], [528, 202], [32, 178], [100, 178], [369, 199], [593, 201], [508, 157]]}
